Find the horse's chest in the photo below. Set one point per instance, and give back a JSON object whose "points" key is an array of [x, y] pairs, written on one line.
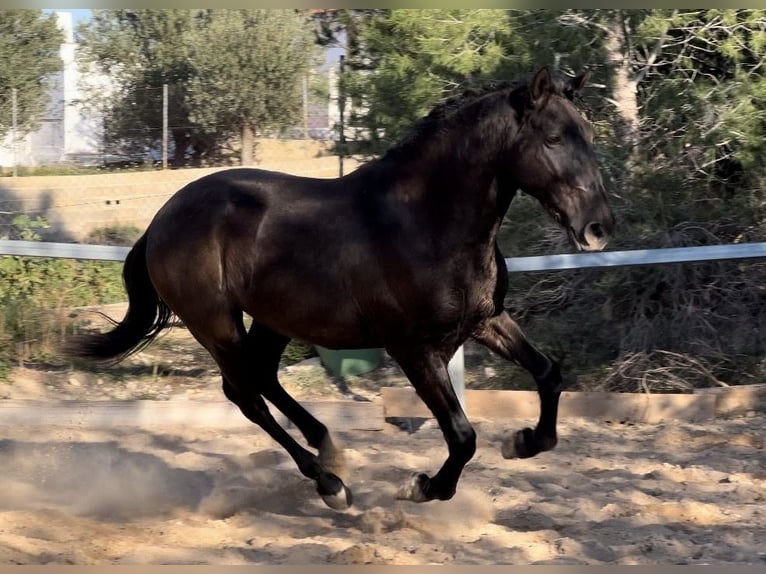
{"points": [[467, 295]]}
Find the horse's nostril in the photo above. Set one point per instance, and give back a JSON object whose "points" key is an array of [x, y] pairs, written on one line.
{"points": [[596, 230]]}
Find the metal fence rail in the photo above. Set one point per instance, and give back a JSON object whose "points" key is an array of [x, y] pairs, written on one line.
{"points": [[637, 257], [63, 250], [515, 264]]}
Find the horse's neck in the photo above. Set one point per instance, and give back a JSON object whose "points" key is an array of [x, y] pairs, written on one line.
{"points": [[454, 175]]}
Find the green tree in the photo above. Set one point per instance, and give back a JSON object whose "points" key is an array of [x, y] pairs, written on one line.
{"points": [[230, 73], [140, 50], [248, 69], [704, 101], [29, 44], [405, 61]]}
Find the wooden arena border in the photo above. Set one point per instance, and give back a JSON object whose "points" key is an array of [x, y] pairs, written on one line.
{"points": [[703, 405], [340, 415], [396, 403]]}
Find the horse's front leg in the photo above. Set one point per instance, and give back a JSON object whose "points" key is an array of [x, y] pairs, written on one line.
{"points": [[503, 336], [427, 371]]}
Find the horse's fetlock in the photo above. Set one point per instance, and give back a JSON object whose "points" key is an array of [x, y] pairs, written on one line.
{"points": [[546, 441], [468, 444]]}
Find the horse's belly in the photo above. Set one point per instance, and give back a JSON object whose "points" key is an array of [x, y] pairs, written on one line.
{"points": [[311, 314]]}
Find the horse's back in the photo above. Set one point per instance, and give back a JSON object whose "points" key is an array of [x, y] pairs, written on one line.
{"points": [[244, 187]]}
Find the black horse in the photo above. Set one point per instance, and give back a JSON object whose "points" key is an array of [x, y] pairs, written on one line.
{"points": [[399, 254]]}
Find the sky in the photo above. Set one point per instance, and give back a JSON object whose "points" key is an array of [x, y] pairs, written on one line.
{"points": [[77, 15]]}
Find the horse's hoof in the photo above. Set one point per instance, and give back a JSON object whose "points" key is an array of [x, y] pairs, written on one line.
{"points": [[334, 492], [339, 501], [414, 489], [516, 445]]}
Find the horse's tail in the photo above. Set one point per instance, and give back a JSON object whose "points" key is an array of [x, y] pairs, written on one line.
{"points": [[147, 315]]}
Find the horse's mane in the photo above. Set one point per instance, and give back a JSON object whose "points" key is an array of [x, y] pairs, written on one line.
{"points": [[468, 95], [428, 125]]}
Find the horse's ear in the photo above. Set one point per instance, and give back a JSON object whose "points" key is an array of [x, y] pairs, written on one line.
{"points": [[575, 85], [540, 86]]}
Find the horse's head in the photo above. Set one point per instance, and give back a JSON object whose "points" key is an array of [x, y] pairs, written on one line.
{"points": [[554, 160]]}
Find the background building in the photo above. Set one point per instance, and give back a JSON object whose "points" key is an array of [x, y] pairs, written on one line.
{"points": [[65, 130]]}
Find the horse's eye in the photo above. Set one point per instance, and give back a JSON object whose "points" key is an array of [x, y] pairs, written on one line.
{"points": [[553, 139]]}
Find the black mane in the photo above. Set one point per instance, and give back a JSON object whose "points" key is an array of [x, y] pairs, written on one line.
{"points": [[428, 125]]}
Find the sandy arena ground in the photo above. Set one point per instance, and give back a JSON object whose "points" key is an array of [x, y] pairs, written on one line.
{"points": [[612, 493]]}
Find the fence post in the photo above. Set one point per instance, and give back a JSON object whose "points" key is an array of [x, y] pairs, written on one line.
{"points": [[14, 128], [305, 88], [164, 126], [341, 106], [456, 370]]}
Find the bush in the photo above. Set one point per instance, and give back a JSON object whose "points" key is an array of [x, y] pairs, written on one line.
{"points": [[35, 293], [123, 235], [297, 351]]}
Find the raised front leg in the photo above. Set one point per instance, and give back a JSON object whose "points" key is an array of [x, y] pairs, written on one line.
{"points": [[503, 336], [427, 371]]}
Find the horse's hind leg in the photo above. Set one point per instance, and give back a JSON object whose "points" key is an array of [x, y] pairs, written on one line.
{"points": [[503, 336], [270, 345], [329, 486], [226, 340]]}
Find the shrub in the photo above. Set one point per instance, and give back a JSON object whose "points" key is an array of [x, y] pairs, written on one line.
{"points": [[35, 293], [124, 235]]}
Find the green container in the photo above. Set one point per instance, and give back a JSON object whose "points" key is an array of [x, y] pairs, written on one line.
{"points": [[345, 362]]}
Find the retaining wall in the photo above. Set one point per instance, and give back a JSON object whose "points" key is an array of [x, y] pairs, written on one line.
{"points": [[74, 205]]}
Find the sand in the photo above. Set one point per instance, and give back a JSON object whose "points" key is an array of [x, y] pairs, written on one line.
{"points": [[611, 493]]}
